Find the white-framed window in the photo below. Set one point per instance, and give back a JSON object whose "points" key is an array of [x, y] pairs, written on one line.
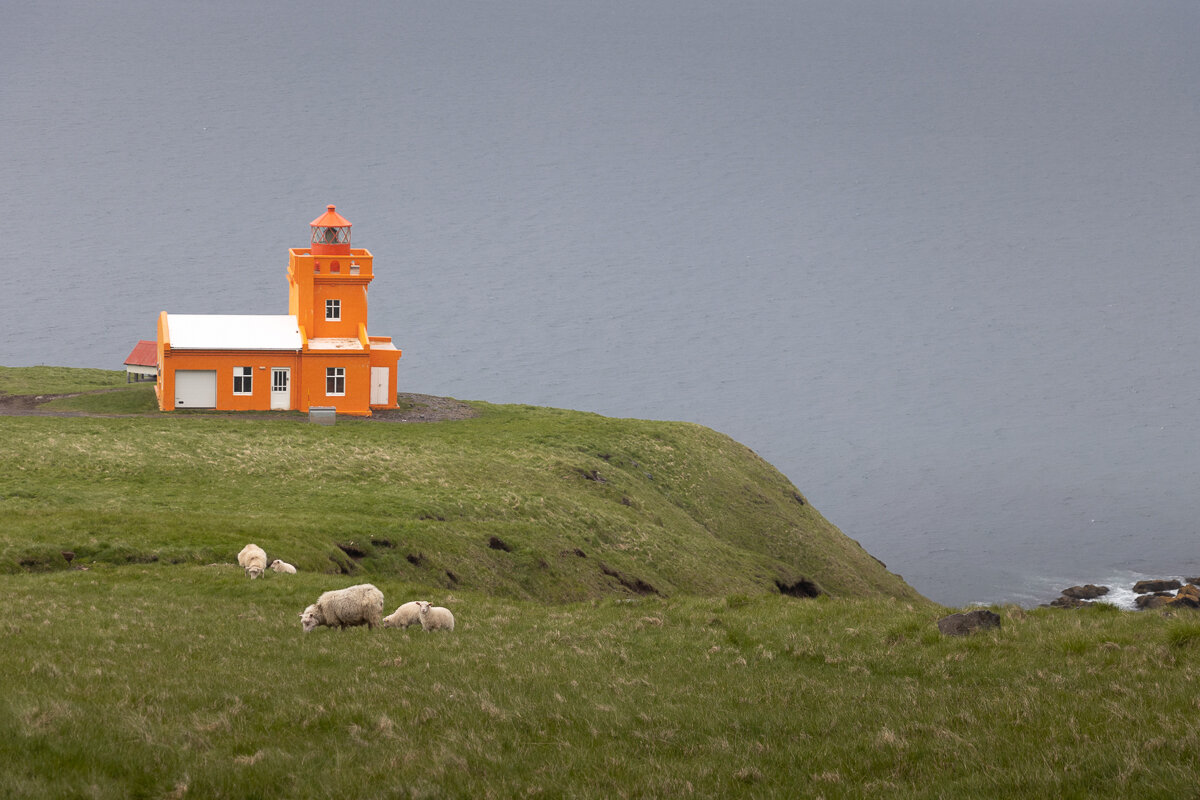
{"points": [[243, 380], [335, 380], [333, 309]]}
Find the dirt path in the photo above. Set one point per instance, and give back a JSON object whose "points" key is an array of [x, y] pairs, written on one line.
{"points": [[21, 405], [413, 408]]}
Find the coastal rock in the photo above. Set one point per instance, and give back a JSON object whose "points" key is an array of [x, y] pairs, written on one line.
{"points": [[1187, 597], [1089, 592], [1146, 587], [1151, 594], [1067, 601], [1157, 600], [968, 622]]}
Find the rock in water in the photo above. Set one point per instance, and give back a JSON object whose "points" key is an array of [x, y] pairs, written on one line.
{"points": [[1146, 587], [1089, 592], [1187, 597]]}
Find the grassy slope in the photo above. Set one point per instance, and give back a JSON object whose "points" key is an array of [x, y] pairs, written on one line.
{"points": [[587, 506], [187, 680], [57, 380], [157, 681]]}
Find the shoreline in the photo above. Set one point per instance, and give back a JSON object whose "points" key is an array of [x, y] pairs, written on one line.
{"points": [[1143, 594]]}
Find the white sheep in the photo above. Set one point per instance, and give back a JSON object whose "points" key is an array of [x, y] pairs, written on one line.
{"points": [[342, 608], [253, 560], [405, 615], [282, 566], [435, 618]]}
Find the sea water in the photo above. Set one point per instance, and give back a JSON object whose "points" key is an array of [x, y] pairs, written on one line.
{"points": [[936, 261]]}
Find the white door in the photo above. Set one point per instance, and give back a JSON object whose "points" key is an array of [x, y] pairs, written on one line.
{"points": [[196, 388], [381, 384], [281, 388]]}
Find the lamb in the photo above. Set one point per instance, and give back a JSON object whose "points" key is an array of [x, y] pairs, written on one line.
{"points": [[282, 566], [434, 618], [342, 608], [253, 560], [405, 615]]}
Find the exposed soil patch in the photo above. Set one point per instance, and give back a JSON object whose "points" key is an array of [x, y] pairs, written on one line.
{"points": [[635, 585], [351, 549], [425, 408], [801, 588], [28, 404], [413, 408]]}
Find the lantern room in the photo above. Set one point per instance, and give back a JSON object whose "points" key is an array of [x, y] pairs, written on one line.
{"points": [[319, 354], [330, 234]]}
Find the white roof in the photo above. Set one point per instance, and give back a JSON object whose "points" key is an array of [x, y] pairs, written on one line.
{"points": [[233, 332]]}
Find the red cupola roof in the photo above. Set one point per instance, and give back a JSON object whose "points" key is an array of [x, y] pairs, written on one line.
{"points": [[330, 219]]}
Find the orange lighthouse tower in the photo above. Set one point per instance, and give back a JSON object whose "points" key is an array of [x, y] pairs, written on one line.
{"points": [[318, 354]]}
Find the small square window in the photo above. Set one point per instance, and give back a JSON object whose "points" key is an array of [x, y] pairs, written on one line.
{"points": [[243, 380], [333, 309], [335, 381]]}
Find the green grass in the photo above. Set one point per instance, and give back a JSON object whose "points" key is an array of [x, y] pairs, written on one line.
{"points": [[520, 501], [94, 390], [149, 666], [143, 681], [132, 399], [57, 380]]}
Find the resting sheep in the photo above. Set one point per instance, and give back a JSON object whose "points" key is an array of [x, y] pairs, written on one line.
{"points": [[253, 560], [282, 566], [342, 608], [405, 615], [435, 618]]}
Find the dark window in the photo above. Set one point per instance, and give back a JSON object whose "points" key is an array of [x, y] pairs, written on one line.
{"points": [[243, 380], [335, 380]]}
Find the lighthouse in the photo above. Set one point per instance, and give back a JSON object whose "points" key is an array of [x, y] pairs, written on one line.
{"points": [[318, 354]]}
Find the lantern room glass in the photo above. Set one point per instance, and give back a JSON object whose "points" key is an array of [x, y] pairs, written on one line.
{"points": [[330, 235]]}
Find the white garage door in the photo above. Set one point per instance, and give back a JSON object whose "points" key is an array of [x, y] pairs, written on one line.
{"points": [[196, 388]]}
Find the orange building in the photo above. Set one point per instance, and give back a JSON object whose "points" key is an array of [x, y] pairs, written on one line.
{"points": [[318, 354]]}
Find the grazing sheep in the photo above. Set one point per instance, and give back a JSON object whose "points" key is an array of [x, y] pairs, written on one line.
{"points": [[435, 618], [405, 615], [342, 608], [253, 560], [282, 566]]}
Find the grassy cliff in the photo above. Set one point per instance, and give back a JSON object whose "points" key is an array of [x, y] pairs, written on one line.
{"points": [[519, 501], [620, 626]]}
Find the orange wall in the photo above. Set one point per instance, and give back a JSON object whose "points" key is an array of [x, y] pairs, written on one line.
{"points": [[162, 344], [388, 357], [308, 382], [300, 288], [311, 281], [354, 309], [357, 399], [223, 363]]}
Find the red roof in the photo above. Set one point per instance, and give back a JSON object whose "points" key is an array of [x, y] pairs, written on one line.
{"points": [[330, 219], [144, 354]]}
